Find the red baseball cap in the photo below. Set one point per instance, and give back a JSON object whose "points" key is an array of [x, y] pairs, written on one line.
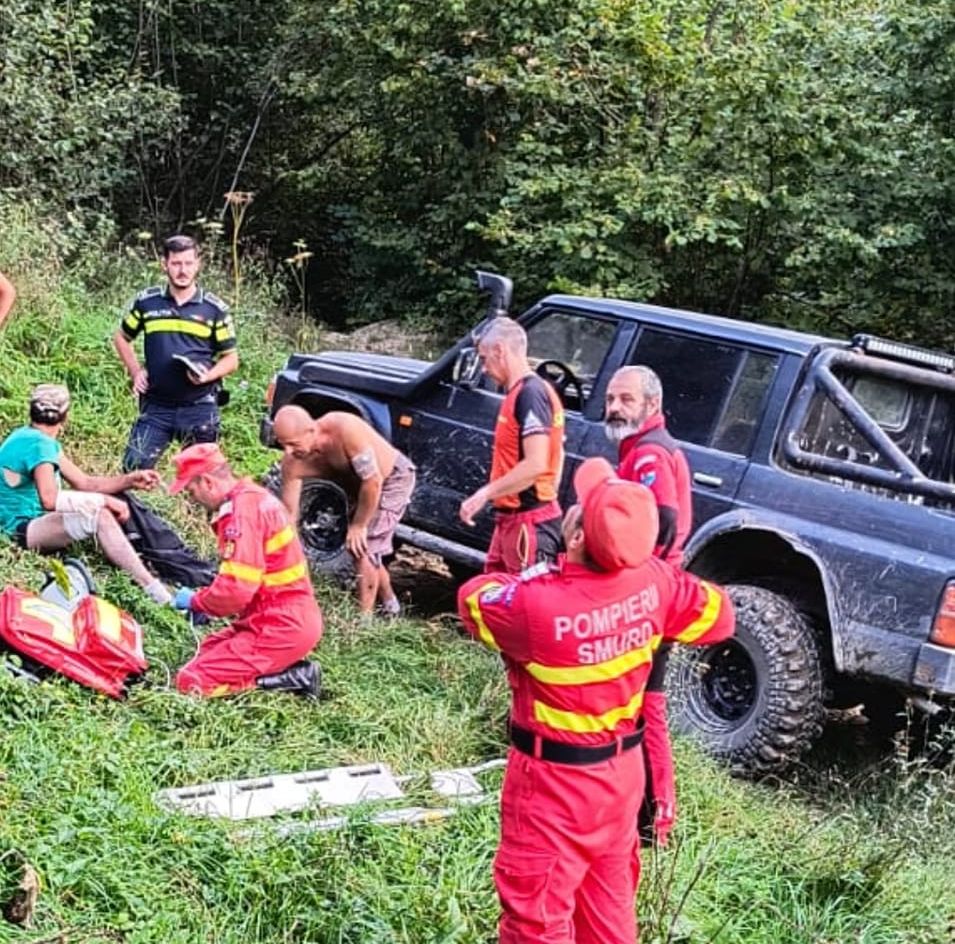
{"points": [[193, 461], [620, 518]]}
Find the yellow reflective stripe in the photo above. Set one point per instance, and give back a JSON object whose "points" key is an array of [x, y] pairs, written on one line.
{"points": [[280, 539], [58, 619], [474, 608], [601, 672], [132, 321], [178, 325], [241, 571], [110, 624], [706, 619], [289, 575], [225, 332], [586, 724]]}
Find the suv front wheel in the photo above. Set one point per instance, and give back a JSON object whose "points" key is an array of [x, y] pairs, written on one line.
{"points": [[755, 700], [322, 524]]}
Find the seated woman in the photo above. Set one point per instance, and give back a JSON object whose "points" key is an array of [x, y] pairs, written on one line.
{"points": [[38, 514]]}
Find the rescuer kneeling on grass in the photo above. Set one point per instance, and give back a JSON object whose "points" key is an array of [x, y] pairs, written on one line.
{"points": [[263, 579], [578, 638]]}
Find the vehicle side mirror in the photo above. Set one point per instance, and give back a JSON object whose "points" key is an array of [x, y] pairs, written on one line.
{"points": [[467, 368]]}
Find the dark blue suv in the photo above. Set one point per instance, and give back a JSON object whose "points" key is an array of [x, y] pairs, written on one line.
{"points": [[823, 484]]}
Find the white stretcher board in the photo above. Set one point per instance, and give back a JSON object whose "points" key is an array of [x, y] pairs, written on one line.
{"points": [[262, 797]]}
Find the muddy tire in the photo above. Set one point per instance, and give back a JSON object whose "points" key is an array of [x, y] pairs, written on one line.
{"points": [[756, 700], [323, 523]]}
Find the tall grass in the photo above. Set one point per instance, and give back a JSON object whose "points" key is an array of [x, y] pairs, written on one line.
{"points": [[839, 854]]}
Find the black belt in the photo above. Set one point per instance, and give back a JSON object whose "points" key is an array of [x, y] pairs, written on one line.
{"points": [[560, 753]]}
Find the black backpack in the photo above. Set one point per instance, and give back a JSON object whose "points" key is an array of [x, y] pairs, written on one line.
{"points": [[162, 550]]}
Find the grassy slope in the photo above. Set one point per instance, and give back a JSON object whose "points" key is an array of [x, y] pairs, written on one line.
{"points": [[866, 862]]}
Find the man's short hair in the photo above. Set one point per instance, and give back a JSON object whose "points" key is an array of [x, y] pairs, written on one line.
{"points": [[505, 331], [178, 243], [649, 379], [49, 404]]}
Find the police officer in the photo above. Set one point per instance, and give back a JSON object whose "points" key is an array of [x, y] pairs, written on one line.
{"points": [[188, 345], [263, 580], [526, 459], [578, 639]]}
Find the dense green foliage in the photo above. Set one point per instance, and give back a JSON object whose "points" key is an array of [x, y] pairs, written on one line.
{"points": [[784, 161], [848, 853]]}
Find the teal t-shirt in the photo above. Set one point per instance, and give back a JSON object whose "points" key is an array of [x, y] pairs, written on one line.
{"points": [[20, 453]]}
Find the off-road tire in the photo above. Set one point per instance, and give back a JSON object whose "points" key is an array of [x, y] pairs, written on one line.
{"points": [[755, 701], [323, 522]]}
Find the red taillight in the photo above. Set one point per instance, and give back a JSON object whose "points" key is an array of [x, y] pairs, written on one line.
{"points": [[943, 629], [270, 391]]}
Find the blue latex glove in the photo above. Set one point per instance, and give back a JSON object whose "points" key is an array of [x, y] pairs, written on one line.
{"points": [[183, 598]]}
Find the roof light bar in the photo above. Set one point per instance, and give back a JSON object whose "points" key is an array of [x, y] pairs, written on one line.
{"points": [[904, 352]]}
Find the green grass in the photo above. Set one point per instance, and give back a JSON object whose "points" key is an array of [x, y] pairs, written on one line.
{"points": [[843, 853]]}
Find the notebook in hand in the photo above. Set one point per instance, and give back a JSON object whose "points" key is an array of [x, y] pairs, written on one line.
{"points": [[194, 367]]}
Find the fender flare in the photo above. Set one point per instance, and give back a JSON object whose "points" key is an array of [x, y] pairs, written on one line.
{"points": [[779, 526]]}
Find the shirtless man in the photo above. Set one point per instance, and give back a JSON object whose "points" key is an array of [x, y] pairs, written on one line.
{"points": [[344, 447]]}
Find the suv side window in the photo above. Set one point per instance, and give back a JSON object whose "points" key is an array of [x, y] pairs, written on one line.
{"points": [[744, 405], [713, 392], [578, 341]]}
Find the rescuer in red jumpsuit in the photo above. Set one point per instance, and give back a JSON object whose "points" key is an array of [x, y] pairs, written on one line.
{"points": [[263, 580], [578, 639], [649, 455]]}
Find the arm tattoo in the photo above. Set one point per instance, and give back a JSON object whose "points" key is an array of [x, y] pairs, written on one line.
{"points": [[365, 464]]}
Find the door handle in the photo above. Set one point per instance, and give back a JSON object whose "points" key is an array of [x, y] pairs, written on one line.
{"points": [[702, 478]]}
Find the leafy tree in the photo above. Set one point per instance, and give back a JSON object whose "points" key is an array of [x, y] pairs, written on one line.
{"points": [[740, 158], [215, 61], [71, 116]]}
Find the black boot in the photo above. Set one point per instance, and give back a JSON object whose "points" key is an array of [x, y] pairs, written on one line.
{"points": [[300, 678]]}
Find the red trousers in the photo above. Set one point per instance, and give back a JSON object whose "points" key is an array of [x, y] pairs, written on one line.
{"points": [[233, 658], [524, 538], [569, 862]]}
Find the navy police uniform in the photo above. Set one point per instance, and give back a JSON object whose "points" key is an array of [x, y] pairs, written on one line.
{"points": [[174, 408]]}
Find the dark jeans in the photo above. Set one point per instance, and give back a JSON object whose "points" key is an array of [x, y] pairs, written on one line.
{"points": [[158, 425]]}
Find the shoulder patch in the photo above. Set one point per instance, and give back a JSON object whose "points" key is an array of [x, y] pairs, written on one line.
{"points": [[215, 301], [647, 477], [150, 292], [231, 532], [222, 511], [536, 570]]}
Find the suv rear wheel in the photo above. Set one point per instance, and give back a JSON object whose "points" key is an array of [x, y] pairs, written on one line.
{"points": [[755, 700]]}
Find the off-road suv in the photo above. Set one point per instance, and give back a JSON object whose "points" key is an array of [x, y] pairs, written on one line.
{"points": [[823, 486]]}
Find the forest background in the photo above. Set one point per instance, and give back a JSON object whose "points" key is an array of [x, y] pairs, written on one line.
{"points": [[769, 159]]}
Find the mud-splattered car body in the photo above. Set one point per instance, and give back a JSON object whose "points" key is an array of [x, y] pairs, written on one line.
{"points": [[823, 477]]}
